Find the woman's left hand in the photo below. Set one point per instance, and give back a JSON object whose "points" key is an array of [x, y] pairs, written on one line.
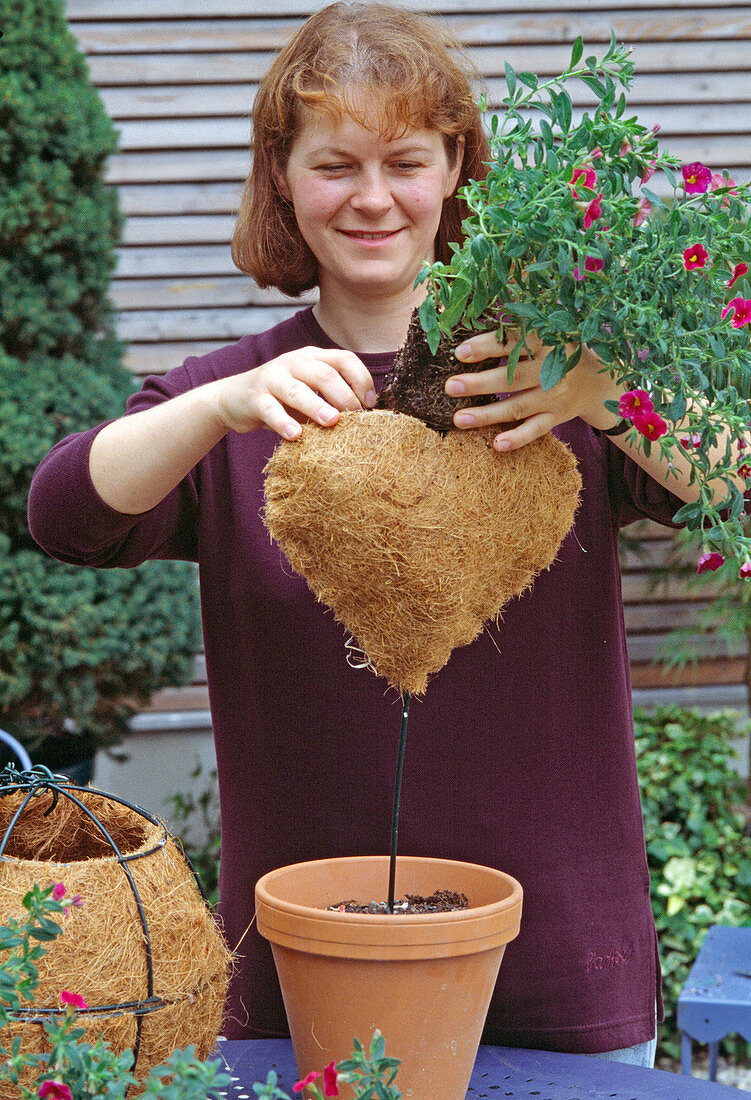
{"points": [[580, 393]]}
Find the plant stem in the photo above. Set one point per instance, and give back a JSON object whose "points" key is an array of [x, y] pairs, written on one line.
{"points": [[397, 798]]}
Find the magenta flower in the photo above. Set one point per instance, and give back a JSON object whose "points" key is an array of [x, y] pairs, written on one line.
{"points": [[738, 271], [54, 1090], [330, 1083], [633, 403], [745, 570], [643, 212], [593, 211], [650, 424], [593, 263], [719, 180], [695, 256], [745, 470], [649, 171], [73, 1000], [742, 311], [58, 891], [696, 178], [709, 562], [303, 1084]]}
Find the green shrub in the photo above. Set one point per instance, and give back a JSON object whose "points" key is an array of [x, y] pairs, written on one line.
{"points": [[76, 645], [698, 851]]}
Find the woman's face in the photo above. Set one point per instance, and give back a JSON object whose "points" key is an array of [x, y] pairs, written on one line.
{"points": [[368, 209]]}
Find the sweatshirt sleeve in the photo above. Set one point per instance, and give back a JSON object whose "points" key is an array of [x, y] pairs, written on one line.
{"points": [[71, 522]]}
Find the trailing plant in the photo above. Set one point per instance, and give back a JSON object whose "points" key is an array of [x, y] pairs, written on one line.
{"points": [[75, 1070], [698, 852], [565, 239], [79, 648]]}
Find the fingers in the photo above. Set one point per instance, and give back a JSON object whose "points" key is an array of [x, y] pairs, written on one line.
{"points": [[312, 384]]}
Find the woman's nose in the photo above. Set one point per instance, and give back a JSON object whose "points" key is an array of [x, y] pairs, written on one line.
{"points": [[372, 193]]}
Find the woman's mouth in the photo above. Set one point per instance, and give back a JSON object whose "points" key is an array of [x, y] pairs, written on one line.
{"points": [[370, 236]]}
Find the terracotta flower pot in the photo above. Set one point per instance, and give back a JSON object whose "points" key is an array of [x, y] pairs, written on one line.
{"points": [[424, 980]]}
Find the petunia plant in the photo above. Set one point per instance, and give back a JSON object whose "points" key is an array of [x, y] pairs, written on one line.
{"points": [[370, 1073], [566, 239]]}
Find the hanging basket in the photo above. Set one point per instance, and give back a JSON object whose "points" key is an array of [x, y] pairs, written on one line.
{"points": [[143, 950]]}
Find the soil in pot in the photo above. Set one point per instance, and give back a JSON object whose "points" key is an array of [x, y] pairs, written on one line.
{"points": [[440, 901]]}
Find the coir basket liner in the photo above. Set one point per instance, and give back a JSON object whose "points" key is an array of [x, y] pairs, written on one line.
{"points": [[142, 950]]}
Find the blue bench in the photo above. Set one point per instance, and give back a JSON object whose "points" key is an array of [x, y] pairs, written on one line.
{"points": [[716, 999]]}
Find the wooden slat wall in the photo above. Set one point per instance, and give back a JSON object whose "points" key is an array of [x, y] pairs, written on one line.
{"points": [[178, 77]]}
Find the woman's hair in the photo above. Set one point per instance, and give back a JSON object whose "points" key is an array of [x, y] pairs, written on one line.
{"points": [[404, 65]]}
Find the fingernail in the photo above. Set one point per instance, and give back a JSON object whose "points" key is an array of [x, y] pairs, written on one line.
{"points": [[464, 420], [454, 388], [327, 414], [370, 399], [501, 444], [463, 351], [291, 430]]}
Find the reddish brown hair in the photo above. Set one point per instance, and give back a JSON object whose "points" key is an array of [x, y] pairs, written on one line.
{"points": [[407, 66]]}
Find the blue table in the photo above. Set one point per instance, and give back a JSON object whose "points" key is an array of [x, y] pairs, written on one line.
{"points": [[716, 998], [500, 1073]]}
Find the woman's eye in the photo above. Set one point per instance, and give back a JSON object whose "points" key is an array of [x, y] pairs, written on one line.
{"points": [[332, 167]]}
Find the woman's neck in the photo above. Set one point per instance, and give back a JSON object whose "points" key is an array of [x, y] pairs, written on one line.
{"points": [[367, 325]]}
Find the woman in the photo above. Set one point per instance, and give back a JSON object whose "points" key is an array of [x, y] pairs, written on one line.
{"points": [[521, 753]]}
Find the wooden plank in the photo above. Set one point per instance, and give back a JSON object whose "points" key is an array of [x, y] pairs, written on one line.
{"points": [[636, 589], [719, 671], [143, 359], [225, 133], [199, 324], [180, 198], [208, 68], [216, 100], [640, 617], [497, 27], [201, 260], [181, 293], [185, 228], [644, 648], [168, 167], [132, 10]]}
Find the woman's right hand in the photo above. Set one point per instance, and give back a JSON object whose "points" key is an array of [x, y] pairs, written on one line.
{"points": [[312, 384]]}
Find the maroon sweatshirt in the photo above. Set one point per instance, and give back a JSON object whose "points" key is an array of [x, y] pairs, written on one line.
{"points": [[519, 756]]}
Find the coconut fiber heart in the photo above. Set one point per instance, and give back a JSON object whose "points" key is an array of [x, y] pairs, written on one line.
{"points": [[415, 538]]}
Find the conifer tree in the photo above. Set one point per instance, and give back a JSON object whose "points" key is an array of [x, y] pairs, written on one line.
{"points": [[79, 648]]}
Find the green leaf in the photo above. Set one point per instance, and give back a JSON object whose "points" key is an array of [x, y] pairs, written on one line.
{"points": [[510, 78], [576, 52], [552, 368], [563, 110], [454, 308], [529, 79], [547, 134]]}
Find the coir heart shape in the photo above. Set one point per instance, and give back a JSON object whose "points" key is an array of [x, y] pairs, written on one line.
{"points": [[414, 538]]}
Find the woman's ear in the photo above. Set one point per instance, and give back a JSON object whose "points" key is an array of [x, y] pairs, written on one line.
{"points": [[280, 182], [456, 168]]}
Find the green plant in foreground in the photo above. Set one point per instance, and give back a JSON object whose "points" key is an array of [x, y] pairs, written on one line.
{"points": [[372, 1075], [698, 852], [76, 1070], [565, 239]]}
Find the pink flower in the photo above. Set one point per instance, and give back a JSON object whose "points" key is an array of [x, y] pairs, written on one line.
{"points": [[738, 271], [593, 211], [695, 256], [54, 1090], [643, 354], [643, 212], [742, 311], [696, 178], [744, 470], [588, 177], [300, 1085], [593, 263], [633, 403], [649, 171], [710, 561], [75, 1000], [745, 570], [58, 891], [693, 440], [650, 424], [330, 1084], [625, 148]]}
